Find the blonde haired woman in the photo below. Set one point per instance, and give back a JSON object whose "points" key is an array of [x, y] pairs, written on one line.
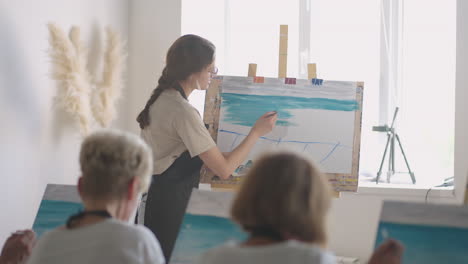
{"points": [[283, 204], [116, 169]]}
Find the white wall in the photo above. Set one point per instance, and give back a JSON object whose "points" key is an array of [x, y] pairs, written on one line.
{"points": [[154, 26], [33, 152], [461, 107]]}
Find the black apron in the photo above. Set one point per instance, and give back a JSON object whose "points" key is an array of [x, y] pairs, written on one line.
{"points": [[168, 197]]}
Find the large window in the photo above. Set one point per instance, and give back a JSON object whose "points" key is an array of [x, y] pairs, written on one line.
{"points": [[404, 51], [427, 92]]}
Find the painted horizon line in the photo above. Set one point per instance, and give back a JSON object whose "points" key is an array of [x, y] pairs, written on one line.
{"points": [[245, 109]]}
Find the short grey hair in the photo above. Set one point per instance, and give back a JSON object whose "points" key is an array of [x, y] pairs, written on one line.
{"points": [[109, 159]]}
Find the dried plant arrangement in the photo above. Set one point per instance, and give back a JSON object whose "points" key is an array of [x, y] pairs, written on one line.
{"points": [[88, 100]]}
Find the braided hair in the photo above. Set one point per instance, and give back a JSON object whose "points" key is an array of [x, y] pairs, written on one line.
{"points": [[189, 54]]}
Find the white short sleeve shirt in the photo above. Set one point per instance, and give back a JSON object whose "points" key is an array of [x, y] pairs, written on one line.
{"points": [[109, 241], [175, 127], [290, 251]]}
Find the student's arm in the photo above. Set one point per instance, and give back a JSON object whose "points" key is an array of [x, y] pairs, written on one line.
{"points": [[224, 164], [18, 247]]}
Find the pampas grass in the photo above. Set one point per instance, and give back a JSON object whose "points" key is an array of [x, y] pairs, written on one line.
{"points": [[87, 101], [107, 92], [72, 85]]}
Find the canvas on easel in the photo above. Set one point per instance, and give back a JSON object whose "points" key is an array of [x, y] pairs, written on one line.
{"points": [[318, 118]]}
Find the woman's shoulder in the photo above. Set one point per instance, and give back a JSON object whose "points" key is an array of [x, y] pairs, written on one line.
{"points": [[110, 235], [186, 111], [302, 252], [311, 252], [174, 101], [151, 248], [130, 235], [112, 229], [129, 230], [217, 254]]}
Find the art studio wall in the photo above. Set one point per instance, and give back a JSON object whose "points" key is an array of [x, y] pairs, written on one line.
{"points": [[36, 148], [154, 25]]}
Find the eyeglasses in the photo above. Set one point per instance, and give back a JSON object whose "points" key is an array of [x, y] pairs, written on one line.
{"points": [[214, 71]]}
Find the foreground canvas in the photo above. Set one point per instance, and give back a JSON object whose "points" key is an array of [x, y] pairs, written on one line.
{"points": [[206, 225], [430, 233], [58, 204]]}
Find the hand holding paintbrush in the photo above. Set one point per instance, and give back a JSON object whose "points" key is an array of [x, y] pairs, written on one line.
{"points": [[264, 124]]}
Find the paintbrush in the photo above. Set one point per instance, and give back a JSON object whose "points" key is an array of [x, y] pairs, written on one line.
{"points": [[279, 131]]}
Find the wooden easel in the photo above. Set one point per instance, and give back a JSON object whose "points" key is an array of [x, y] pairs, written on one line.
{"points": [[212, 112], [283, 58]]}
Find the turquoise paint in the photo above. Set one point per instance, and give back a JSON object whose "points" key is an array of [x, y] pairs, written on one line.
{"points": [[427, 244], [199, 233], [245, 109], [53, 214]]}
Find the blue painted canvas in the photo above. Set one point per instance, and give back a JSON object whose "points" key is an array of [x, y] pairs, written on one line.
{"points": [[319, 121], [58, 204], [206, 225], [199, 233], [430, 233]]}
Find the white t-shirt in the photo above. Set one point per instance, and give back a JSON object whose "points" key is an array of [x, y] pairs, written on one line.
{"points": [[175, 127], [109, 241], [290, 251]]}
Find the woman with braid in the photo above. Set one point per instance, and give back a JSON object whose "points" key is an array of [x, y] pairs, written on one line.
{"points": [[180, 142]]}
